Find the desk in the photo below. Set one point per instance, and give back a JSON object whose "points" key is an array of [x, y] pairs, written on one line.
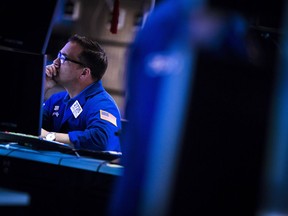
{"points": [[58, 180]]}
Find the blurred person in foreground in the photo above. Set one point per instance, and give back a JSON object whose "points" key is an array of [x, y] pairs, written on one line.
{"points": [[195, 107]]}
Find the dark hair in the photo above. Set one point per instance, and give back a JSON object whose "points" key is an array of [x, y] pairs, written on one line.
{"points": [[92, 56]]}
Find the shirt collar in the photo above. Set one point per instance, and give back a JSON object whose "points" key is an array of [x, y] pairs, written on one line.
{"points": [[92, 89]]}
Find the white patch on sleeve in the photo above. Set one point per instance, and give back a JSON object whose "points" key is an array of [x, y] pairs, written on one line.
{"points": [[108, 117]]}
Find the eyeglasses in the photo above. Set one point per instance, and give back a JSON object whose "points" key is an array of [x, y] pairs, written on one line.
{"points": [[64, 58]]}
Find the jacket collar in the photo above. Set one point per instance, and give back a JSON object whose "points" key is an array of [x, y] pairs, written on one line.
{"points": [[91, 90]]}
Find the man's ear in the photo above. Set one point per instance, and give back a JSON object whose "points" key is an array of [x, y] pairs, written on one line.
{"points": [[85, 72]]}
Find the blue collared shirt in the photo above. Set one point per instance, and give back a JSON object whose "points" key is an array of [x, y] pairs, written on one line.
{"points": [[91, 119]]}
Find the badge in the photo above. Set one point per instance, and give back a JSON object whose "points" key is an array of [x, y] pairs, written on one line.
{"points": [[55, 113], [76, 109], [108, 117]]}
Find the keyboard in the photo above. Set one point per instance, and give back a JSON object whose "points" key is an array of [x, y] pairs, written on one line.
{"points": [[38, 143], [34, 142]]}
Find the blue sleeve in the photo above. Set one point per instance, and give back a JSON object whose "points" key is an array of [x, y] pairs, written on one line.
{"points": [[46, 121], [99, 133]]}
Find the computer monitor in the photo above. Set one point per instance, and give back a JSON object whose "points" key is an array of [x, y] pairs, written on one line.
{"points": [[27, 25], [21, 90]]}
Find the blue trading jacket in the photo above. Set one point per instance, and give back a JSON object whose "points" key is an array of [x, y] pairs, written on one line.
{"points": [[91, 119]]}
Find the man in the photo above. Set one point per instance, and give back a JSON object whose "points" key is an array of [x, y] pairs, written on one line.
{"points": [[84, 116]]}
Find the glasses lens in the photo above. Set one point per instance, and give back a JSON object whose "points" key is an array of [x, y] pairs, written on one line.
{"points": [[64, 58], [61, 57]]}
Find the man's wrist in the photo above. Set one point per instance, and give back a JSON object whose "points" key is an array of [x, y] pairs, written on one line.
{"points": [[51, 136]]}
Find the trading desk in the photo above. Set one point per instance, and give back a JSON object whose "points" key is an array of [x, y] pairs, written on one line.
{"points": [[58, 183]]}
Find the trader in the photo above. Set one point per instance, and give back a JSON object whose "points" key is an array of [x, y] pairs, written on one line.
{"points": [[84, 116]]}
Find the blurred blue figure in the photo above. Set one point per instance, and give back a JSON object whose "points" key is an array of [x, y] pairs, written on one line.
{"points": [[159, 59], [161, 69], [275, 181]]}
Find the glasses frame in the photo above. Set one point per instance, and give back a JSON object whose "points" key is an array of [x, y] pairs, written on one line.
{"points": [[62, 57]]}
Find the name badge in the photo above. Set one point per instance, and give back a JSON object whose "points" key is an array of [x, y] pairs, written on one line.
{"points": [[76, 109]]}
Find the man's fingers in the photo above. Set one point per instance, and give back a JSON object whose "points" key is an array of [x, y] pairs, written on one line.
{"points": [[51, 70]]}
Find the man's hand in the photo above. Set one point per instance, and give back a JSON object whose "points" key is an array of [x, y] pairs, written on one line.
{"points": [[43, 133], [51, 72]]}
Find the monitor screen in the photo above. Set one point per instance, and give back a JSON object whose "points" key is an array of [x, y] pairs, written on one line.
{"points": [[21, 89], [27, 25]]}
